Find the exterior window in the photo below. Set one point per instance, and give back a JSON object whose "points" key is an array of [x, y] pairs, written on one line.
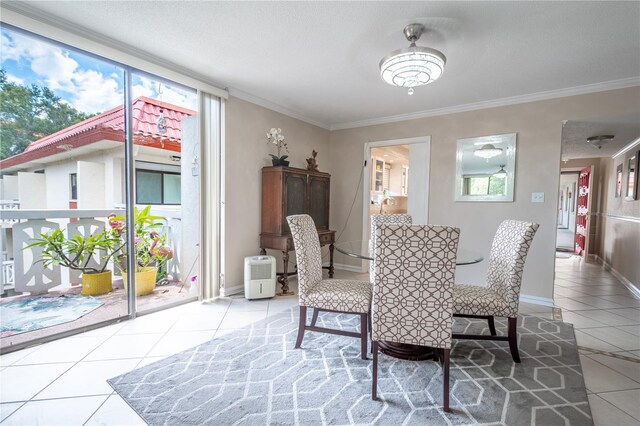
{"points": [[484, 185], [73, 186], [155, 187]]}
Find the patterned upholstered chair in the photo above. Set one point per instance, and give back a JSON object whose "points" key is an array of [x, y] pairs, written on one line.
{"points": [[347, 296], [504, 278], [413, 291], [388, 219]]}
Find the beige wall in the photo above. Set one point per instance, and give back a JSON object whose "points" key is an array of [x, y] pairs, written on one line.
{"points": [[539, 129], [246, 152]]}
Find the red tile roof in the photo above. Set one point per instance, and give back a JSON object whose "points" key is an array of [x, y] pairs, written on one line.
{"points": [[110, 125]]}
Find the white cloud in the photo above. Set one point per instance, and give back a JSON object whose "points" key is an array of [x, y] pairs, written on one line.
{"points": [[85, 89], [150, 88], [13, 79]]}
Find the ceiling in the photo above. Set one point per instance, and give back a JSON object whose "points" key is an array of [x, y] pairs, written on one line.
{"points": [[392, 154], [625, 128], [319, 60]]}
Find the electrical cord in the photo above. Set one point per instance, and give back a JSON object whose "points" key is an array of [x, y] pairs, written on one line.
{"points": [[353, 203]]}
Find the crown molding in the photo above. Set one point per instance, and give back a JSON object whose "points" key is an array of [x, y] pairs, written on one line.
{"points": [[627, 148], [275, 107], [513, 100]]}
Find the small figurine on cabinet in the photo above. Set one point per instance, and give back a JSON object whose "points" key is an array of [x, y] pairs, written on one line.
{"points": [[312, 165]]}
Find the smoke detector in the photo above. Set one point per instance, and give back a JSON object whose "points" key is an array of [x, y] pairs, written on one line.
{"points": [[600, 140]]}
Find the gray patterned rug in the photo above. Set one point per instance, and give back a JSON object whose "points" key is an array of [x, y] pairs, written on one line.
{"points": [[254, 376]]}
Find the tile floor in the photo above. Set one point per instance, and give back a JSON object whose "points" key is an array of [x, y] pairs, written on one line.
{"points": [[606, 318], [64, 382]]}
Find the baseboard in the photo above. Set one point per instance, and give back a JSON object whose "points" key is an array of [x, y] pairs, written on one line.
{"points": [[535, 300], [350, 268], [631, 286], [228, 291]]}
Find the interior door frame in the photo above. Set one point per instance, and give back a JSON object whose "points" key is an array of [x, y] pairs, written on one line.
{"points": [[570, 171], [589, 206], [366, 187]]}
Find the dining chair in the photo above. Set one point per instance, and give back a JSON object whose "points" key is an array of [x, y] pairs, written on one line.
{"points": [[331, 295], [504, 278], [413, 291], [379, 219]]}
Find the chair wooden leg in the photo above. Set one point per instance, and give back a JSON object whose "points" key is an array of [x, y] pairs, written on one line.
{"points": [[492, 326], [445, 380], [316, 311], [370, 330], [374, 382], [364, 336], [301, 325], [513, 339]]}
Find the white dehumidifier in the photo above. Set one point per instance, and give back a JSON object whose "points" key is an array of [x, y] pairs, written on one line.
{"points": [[259, 277]]}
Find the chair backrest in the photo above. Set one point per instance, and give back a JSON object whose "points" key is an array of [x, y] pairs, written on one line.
{"points": [[308, 255], [379, 219], [413, 288], [506, 261]]}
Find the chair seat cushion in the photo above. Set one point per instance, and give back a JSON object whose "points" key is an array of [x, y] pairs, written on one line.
{"points": [[339, 295], [476, 300]]}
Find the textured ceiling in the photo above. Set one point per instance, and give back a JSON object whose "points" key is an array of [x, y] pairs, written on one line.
{"points": [[625, 128], [320, 59]]}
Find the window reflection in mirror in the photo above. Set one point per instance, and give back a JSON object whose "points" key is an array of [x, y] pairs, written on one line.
{"points": [[485, 168]]}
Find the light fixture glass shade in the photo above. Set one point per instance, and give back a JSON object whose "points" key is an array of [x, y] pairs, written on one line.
{"points": [[502, 173], [161, 124], [487, 151], [412, 66]]}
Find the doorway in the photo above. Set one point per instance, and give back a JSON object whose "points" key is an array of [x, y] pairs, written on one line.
{"points": [[567, 211], [396, 179]]}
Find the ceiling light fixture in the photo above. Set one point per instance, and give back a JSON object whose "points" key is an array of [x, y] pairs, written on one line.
{"points": [[502, 173], [487, 151], [600, 140], [412, 66]]}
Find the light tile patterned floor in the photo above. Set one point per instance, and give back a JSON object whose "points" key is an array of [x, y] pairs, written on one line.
{"points": [[63, 382]]}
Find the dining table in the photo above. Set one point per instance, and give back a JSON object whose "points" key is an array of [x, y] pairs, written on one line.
{"points": [[360, 249]]}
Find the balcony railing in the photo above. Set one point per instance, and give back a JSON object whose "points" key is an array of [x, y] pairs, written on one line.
{"points": [[21, 270]]}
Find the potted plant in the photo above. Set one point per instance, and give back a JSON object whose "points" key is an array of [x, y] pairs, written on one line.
{"points": [[275, 137], [150, 250], [76, 252]]}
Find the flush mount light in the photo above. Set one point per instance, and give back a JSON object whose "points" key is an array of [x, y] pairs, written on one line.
{"points": [[487, 151], [412, 66], [502, 173], [600, 140]]}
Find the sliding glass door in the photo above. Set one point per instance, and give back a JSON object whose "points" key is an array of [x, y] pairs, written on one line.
{"points": [[100, 183]]}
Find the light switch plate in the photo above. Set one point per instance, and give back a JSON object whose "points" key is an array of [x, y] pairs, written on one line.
{"points": [[537, 197]]}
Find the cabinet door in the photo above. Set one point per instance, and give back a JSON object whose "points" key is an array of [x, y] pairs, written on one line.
{"points": [[319, 201], [295, 196]]}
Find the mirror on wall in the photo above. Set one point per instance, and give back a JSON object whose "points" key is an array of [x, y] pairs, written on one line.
{"points": [[632, 177], [485, 168]]}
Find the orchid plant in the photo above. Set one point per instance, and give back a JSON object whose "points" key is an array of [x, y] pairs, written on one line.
{"points": [[275, 137], [149, 244]]}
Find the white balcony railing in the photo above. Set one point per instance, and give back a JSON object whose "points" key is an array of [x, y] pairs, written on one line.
{"points": [[20, 267]]}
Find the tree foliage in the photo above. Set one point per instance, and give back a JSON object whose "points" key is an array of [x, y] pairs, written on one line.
{"points": [[30, 113]]}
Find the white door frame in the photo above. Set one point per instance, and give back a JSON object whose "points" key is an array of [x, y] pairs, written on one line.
{"points": [[366, 189]]}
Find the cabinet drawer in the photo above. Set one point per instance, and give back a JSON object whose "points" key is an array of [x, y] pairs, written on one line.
{"points": [[326, 239]]}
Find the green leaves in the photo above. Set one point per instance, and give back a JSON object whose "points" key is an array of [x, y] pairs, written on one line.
{"points": [[30, 113]]}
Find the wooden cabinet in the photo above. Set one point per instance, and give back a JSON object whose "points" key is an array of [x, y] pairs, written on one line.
{"points": [[287, 191]]}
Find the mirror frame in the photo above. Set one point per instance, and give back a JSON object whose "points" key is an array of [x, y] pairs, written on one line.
{"points": [[509, 141], [632, 181]]}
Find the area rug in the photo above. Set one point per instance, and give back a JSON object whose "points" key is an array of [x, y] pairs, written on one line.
{"points": [[34, 313], [254, 376]]}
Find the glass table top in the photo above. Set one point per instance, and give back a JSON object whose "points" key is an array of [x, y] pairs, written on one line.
{"points": [[360, 249]]}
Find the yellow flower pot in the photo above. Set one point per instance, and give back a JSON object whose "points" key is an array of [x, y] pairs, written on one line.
{"points": [[95, 284], [145, 281]]}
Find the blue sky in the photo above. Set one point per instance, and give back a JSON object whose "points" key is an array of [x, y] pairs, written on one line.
{"points": [[87, 84]]}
